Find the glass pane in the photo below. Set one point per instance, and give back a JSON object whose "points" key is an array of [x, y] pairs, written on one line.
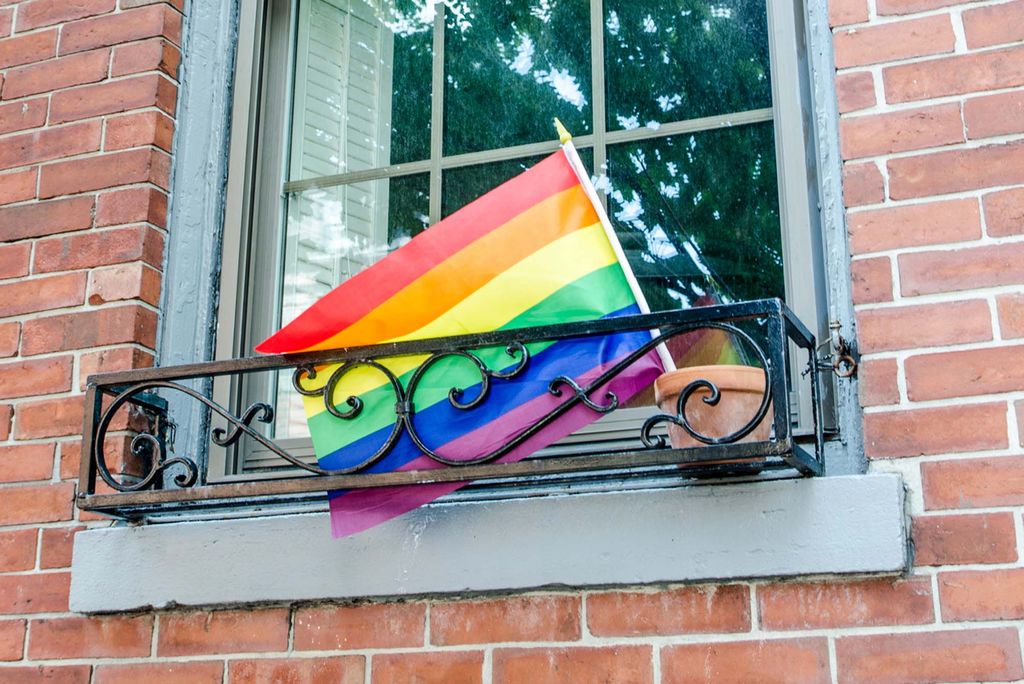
{"points": [[332, 234], [362, 85], [698, 215], [672, 60], [510, 67], [462, 185]]}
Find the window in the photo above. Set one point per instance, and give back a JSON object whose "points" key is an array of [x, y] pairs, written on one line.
{"points": [[365, 121]]}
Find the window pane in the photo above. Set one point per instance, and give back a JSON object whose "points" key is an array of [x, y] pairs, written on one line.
{"points": [[462, 185], [510, 67], [699, 214], [672, 60], [332, 234], [362, 86]]}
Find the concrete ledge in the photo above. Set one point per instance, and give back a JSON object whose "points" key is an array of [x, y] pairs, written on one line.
{"points": [[834, 525]]}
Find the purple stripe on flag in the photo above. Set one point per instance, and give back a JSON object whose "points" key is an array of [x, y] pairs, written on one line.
{"points": [[359, 509]]}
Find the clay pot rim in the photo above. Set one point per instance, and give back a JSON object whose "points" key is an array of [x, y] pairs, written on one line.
{"points": [[727, 377]]}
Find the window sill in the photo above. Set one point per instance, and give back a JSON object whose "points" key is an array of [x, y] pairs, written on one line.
{"points": [[835, 525]]}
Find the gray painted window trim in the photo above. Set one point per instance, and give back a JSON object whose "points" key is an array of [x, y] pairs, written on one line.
{"points": [[757, 530]]}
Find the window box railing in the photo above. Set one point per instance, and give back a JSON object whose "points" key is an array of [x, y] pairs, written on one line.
{"points": [[145, 476]]}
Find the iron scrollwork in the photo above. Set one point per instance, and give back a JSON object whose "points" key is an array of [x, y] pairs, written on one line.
{"points": [[593, 395]]}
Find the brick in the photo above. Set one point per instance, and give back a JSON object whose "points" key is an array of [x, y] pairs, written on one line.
{"points": [[1018, 409], [963, 539], [687, 610], [994, 25], [855, 91], [90, 329], [18, 116], [970, 73], [6, 22], [955, 171], [556, 665], [877, 230], [196, 672], [392, 625], [49, 418], [155, 54], [871, 280], [334, 670], [109, 360], [49, 144], [12, 639], [224, 631], [14, 259], [129, 281], [42, 294], [18, 186], [34, 47], [177, 4], [993, 115], [913, 129], [1004, 212], [18, 550], [87, 67], [775, 661], [99, 248], [862, 184], [926, 325], [948, 656], [1010, 308], [833, 604], [114, 97], [6, 413], [46, 218], [973, 483], [91, 637], [843, 12], [465, 667], [877, 382], [964, 373], [26, 462], [521, 618], [56, 545], [894, 41], [70, 459], [894, 7], [942, 430], [124, 27], [10, 338], [131, 205], [37, 13], [963, 269], [105, 171], [982, 595], [136, 130], [46, 674], [34, 593]]}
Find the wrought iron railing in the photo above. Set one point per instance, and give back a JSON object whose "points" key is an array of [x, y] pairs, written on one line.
{"points": [[159, 480]]}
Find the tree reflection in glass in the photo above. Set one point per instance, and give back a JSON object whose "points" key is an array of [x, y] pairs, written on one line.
{"points": [[512, 65]]}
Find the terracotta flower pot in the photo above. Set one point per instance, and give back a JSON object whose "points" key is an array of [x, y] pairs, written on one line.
{"points": [[741, 388]]}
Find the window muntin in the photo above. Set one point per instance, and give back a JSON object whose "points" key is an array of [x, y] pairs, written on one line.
{"points": [[426, 150]]}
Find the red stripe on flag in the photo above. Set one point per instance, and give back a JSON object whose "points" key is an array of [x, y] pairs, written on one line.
{"points": [[368, 289]]}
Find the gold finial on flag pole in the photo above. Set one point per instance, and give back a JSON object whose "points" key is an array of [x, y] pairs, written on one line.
{"points": [[564, 135]]}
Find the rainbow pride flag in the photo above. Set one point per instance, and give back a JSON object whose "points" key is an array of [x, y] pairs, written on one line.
{"points": [[536, 250]]}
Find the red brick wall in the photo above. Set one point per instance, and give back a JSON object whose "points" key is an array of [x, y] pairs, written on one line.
{"points": [[932, 95]]}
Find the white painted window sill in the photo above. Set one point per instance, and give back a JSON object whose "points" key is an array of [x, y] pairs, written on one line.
{"points": [[835, 525]]}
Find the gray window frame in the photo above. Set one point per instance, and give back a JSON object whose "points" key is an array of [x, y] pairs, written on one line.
{"points": [[257, 161]]}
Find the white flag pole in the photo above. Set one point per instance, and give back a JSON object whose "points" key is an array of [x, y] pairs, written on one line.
{"points": [[588, 187]]}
